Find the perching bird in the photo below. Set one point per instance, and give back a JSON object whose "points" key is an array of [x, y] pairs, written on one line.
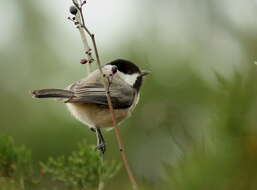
{"points": [[86, 99]]}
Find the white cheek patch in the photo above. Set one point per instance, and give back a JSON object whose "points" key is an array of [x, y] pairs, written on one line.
{"points": [[130, 79]]}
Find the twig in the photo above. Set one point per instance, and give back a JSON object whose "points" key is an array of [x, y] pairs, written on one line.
{"points": [[101, 186], [116, 129], [105, 83], [101, 182], [79, 19]]}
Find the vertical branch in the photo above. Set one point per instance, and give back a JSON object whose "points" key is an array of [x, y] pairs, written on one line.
{"points": [[79, 20], [116, 129], [101, 186], [101, 181], [105, 80]]}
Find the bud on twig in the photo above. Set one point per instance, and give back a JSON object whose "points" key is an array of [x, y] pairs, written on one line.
{"points": [[73, 10], [83, 61]]}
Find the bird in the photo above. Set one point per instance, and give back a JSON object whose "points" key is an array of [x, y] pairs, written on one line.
{"points": [[87, 101]]}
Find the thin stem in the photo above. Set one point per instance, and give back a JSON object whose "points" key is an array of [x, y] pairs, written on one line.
{"points": [[101, 182], [101, 185], [22, 183], [107, 92], [80, 19], [83, 23], [116, 129]]}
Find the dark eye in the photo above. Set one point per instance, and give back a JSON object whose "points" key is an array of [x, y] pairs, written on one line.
{"points": [[114, 69]]}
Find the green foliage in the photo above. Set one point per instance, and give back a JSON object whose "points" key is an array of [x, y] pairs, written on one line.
{"points": [[15, 163], [83, 169], [227, 158]]}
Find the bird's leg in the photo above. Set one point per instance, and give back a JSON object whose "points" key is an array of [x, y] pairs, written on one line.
{"points": [[100, 141]]}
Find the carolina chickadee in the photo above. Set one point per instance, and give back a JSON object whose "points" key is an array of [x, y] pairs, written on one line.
{"points": [[86, 98]]}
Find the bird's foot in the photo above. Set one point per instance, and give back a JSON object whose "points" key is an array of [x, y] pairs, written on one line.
{"points": [[101, 147]]}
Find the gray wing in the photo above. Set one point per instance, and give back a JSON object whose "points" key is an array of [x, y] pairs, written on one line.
{"points": [[122, 96]]}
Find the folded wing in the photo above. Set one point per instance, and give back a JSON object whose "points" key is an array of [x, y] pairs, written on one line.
{"points": [[122, 96]]}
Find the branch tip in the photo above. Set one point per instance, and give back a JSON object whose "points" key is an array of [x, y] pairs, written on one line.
{"points": [[73, 10]]}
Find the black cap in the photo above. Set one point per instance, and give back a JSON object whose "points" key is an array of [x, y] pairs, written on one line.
{"points": [[127, 67]]}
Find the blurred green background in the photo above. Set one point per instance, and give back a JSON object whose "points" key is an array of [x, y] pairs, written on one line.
{"points": [[195, 125]]}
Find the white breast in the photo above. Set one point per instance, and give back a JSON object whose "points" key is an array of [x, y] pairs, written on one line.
{"points": [[80, 115]]}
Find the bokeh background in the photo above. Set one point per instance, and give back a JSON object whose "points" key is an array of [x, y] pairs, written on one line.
{"points": [[196, 124]]}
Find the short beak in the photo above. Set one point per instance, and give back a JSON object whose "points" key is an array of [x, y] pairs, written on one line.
{"points": [[144, 73]]}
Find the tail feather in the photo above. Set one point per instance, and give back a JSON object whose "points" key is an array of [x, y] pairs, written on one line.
{"points": [[52, 93]]}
